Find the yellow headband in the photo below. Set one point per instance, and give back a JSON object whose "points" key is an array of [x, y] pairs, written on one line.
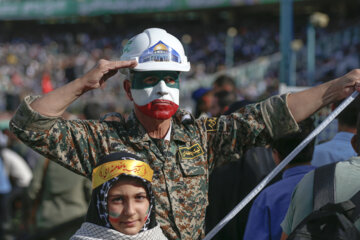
{"points": [[109, 170]]}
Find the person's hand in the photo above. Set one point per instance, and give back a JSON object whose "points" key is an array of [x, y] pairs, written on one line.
{"points": [[304, 103], [103, 70], [344, 86]]}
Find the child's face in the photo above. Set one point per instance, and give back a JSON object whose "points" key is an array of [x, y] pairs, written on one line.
{"points": [[128, 206]]}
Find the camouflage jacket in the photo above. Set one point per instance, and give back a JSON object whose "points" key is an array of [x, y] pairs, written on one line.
{"points": [[181, 166]]}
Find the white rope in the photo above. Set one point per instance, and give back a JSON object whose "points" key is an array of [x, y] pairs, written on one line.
{"points": [[279, 167]]}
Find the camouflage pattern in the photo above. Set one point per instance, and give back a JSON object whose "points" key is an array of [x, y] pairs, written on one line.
{"points": [[181, 166]]}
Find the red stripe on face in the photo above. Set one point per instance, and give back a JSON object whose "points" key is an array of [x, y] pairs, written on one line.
{"points": [[159, 109], [113, 216]]}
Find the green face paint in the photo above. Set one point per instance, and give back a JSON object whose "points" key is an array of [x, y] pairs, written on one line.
{"points": [[113, 215], [149, 79]]}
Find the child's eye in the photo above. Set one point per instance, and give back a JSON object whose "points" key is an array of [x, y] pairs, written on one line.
{"points": [[140, 197], [116, 199]]}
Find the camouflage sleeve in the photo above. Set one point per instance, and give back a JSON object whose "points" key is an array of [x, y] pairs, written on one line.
{"points": [[254, 125], [277, 116], [75, 144]]}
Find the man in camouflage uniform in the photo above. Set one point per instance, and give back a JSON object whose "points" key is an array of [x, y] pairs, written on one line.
{"points": [[181, 150]]}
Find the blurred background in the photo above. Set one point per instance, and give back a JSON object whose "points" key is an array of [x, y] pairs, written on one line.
{"points": [[266, 46]]}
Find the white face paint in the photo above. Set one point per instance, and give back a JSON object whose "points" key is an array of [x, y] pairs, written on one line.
{"points": [[160, 91]]}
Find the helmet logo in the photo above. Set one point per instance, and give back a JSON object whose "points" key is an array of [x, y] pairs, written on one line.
{"points": [[160, 52]]}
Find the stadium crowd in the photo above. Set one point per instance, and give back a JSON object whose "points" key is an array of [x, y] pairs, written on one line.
{"points": [[29, 62]]}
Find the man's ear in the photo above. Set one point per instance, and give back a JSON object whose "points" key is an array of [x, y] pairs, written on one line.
{"points": [[127, 87], [354, 143]]}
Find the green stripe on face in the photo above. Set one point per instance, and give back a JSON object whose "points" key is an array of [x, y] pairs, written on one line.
{"points": [[149, 79], [114, 214]]}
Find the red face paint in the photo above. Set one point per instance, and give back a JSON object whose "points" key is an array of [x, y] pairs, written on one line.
{"points": [[113, 216], [159, 109]]}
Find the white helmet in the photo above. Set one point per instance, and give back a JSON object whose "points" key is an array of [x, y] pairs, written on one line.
{"points": [[156, 50]]}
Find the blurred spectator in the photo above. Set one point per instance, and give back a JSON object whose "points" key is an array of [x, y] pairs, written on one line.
{"points": [[70, 52], [60, 199], [18, 170], [92, 111], [221, 102], [339, 147], [347, 183], [203, 98], [230, 183], [70, 74], [12, 102], [224, 82], [58, 196], [237, 105], [20, 175], [270, 206], [5, 188], [330, 131], [13, 143], [46, 83]]}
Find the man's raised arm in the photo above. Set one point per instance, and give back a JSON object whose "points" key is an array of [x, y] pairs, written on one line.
{"points": [[303, 104], [55, 102]]}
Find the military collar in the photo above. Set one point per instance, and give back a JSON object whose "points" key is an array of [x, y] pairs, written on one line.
{"points": [[179, 121], [168, 134]]}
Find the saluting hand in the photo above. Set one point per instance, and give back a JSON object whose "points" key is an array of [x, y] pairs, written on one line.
{"points": [[103, 70], [54, 103]]}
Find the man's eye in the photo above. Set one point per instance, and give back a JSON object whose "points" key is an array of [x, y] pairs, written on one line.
{"points": [[169, 80], [150, 80]]}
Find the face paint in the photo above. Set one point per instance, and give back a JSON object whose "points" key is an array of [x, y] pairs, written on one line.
{"points": [[114, 216], [156, 93], [148, 213], [128, 206]]}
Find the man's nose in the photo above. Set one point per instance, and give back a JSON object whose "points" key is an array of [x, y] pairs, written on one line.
{"points": [[162, 88]]}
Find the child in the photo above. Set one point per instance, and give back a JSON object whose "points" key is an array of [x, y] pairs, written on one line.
{"points": [[122, 204]]}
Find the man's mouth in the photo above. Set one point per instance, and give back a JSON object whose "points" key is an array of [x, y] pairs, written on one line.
{"points": [[159, 101], [159, 109]]}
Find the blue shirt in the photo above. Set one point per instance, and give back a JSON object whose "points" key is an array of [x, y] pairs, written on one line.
{"points": [[5, 186], [337, 149], [270, 207]]}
